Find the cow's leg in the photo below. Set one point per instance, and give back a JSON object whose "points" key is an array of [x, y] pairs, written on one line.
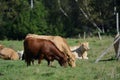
{"points": [[48, 62], [39, 61], [85, 55], [40, 58], [28, 62], [33, 61]]}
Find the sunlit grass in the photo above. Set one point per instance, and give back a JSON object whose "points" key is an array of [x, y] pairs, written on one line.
{"points": [[105, 69], [14, 44]]}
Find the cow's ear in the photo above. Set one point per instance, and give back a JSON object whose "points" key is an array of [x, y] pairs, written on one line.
{"points": [[1, 47], [83, 44]]}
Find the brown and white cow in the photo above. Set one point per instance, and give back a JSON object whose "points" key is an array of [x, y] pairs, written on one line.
{"points": [[36, 48], [8, 53], [61, 45], [80, 51]]}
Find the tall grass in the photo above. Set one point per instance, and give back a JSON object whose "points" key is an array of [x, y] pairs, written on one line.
{"points": [[105, 69], [14, 44]]}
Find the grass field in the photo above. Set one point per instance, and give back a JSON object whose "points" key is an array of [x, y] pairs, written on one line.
{"points": [[106, 69]]}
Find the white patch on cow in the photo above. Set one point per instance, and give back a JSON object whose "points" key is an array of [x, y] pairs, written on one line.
{"points": [[80, 51], [20, 53]]}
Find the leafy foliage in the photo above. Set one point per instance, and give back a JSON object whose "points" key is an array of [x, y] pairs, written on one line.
{"points": [[56, 17]]}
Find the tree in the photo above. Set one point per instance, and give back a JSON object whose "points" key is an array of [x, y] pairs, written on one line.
{"points": [[18, 19], [66, 18]]}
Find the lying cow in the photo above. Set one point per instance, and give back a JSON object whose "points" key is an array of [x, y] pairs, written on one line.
{"points": [[61, 45], [36, 48], [80, 51], [8, 54]]}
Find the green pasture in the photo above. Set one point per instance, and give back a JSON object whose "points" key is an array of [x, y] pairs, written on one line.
{"points": [[106, 69]]}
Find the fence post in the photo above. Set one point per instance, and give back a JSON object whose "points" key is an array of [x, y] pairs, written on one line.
{"points": [[84, 35], [99, 36], [105, 51], [118, 53]]}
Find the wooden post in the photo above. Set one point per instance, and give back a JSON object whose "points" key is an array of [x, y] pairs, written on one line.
{"points": [[117, 26], [117, 22], [84, 35], [79, 35], [99, 36], [118, 54], [105, 51], [31, 3]]}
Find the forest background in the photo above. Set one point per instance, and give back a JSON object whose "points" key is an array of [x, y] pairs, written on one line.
{"points": [[67, 18]]}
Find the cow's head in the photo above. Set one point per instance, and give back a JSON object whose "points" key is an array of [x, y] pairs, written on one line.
{"points": [[85, 46], [71, 61], [63, 61], [1, 47]]}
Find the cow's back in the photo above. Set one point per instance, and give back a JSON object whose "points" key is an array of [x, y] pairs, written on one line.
{"points": [[31, 46], [34, 45]]}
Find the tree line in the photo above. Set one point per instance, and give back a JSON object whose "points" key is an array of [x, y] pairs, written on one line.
{"points": [[66, 18]]}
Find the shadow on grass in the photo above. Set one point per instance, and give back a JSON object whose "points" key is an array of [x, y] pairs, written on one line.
{"points": [[48, 74], [52, 66], [111, 59], [1, 74]]}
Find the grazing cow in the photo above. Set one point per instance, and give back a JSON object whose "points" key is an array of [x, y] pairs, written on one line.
{"points": [[8, 54], [35, 48], [80, 51], [61, 45]]}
